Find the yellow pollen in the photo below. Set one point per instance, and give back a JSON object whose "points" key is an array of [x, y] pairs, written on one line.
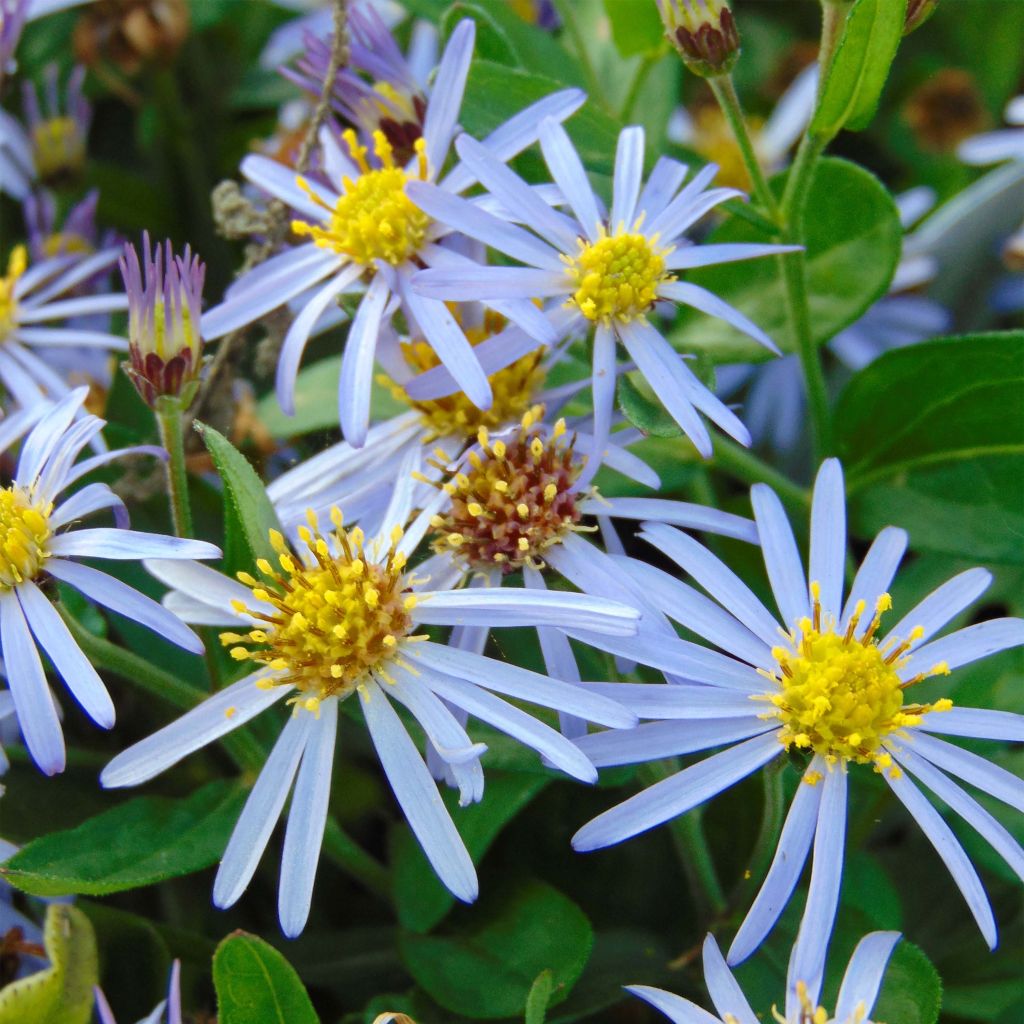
{"points": [[24, 532], [373, 219], [513, 387], [334, 616], [513, 503], [841, 696], [17, 262], [617, 277], [58, 147]]}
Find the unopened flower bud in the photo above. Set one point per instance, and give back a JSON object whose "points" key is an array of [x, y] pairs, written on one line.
{"points": [[918, 12], [393, 1018], [704, 33], [165, 294]]}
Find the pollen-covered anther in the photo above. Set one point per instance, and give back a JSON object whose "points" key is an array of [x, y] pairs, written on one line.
{"points": [[513, 387], [24, 532], [839, 694], [514, 500], [373, 219], [333, 614], [617, 277]]}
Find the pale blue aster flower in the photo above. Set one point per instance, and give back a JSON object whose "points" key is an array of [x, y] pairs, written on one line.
{"points": [[42, 541], [41, 310], [858, 992], [167, 1012], [818, 680], [608, 267], [366, 233], [995, 147], [347, 629]]}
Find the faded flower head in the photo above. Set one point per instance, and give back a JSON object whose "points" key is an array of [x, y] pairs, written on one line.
{"points": [[704, 32], [165, 295], [131, 33]]}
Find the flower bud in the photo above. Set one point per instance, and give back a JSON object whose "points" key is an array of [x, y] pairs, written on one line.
{"points": [[704, 33], [164, 307], [393, 1018], [918, 12]]}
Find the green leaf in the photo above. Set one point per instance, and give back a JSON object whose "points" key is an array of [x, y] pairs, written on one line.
{"points": [[950, 400], [860, 67], [636, 27], [495, 92], [911, 990], [256, 985], [486, 971], [61, 993], [139, 842], [420, 898], [492, 41], [853, 245], [643, 409], [248, 514], [539, 998]]}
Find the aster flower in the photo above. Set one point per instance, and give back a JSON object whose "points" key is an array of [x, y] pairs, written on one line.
{"points": [[165, 347], [167, 1012], [58, 127], [858, 992], [995, 147], [609, 268], [39, 543], [363, 227], [825, 684], [77, 236], [39, 311], [336, 617], [394, 99]]}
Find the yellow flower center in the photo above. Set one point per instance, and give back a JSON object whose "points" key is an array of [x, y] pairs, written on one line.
{"points": [[617, 277], [16, 264], [24, 531], [514, 501], [63, 243], [841, 696], [335, 615], [513, 387], [809, 1013], [373, 218], [59, 148]]}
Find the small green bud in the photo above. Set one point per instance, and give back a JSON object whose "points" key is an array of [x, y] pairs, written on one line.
{"points": [[704, 32]]}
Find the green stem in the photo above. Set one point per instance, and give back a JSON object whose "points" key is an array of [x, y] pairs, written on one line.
{"points": [[342, 849], [568, 17], [744, 465], [691, 846], [242, 747], [725, 92], [169, 422]]}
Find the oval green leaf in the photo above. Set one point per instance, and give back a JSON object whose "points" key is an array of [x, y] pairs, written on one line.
{"points": [[853, 245], [256, 985], [139, 842], [487, 971]]}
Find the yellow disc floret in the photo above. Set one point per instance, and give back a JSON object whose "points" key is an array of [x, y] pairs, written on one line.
{"points": [[373, 218], [58, 145], [24, 532], [329, 617], [16, 264], [617, 277], [513, 500], [513, 387], [840, 695]]}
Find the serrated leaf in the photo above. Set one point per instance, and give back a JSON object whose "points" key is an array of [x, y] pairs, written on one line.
{"points": [[856, 77], [853, 241], [911, 989], [256, 985], [421, 899], [62, 992], [248, 514], [486, 971], [137, 843]]}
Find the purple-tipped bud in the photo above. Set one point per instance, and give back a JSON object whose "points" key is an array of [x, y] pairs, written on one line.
{"points": [[704, 32], [165, 297], [918, 12]]}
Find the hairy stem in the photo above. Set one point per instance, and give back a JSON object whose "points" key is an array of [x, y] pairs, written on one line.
{"points": [[172, 437]]}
